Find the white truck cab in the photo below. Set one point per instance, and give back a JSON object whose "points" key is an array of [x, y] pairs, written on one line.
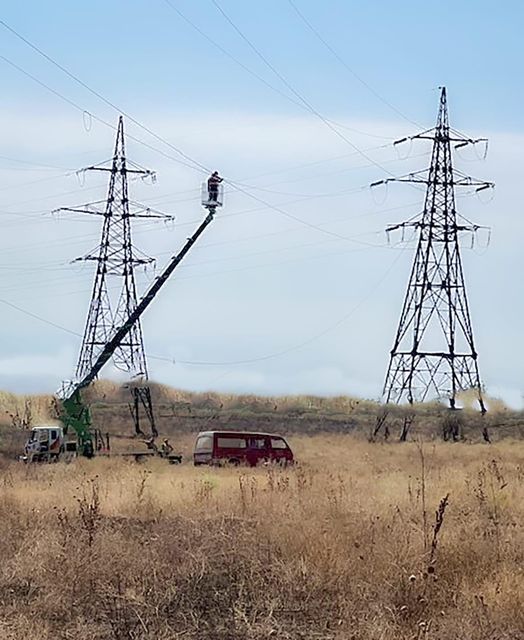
{"points": [[46, 443]]}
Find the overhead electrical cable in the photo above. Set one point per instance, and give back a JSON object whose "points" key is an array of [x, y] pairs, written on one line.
{"points": [[187, 157], [308, 105], [347, 67], [254, 74], [99, 95], [238, 187], [91, 114], [155, 135], [77, 239], [270, 356], [46, 282], [296, 347], [37, 317], [178, 151], [37, 181], [35, 164]]}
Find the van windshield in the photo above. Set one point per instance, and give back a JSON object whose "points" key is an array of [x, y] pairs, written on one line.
{"points": [[279, 443], [204, 444]]}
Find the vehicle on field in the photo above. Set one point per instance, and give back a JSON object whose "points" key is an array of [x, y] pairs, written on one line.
{"points": [[241, 447], [47, 443]]}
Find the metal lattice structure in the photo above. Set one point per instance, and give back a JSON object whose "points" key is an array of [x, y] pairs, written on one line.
{"points": [[434, 353], [114, 293]]}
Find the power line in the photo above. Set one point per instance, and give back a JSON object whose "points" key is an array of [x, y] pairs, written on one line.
{"points": [[362, 247], [59, 280], [34, 164], [296, 347], [54, 195], [236, 186], [90, 113], [195, 162], [346, 66], [37, 317], [308, 105], [330, 173], [31, 182], [71, 172], [223, 272], [197, 197], [254, 74], [149, 226], [284, 170], [97, 94], [366, 247], [150, 131], [67, 241], [293, 168], [278, 354]]}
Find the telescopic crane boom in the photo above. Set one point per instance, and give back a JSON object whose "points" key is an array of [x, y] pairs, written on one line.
{"points": [[75, 414]]}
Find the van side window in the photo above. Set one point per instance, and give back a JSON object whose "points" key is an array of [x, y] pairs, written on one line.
{"points": [[231, 443], [54, 435], [257, 443], [278, 443]]}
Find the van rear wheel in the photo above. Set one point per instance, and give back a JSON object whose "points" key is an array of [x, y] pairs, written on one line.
{"points": [[234, 462]]}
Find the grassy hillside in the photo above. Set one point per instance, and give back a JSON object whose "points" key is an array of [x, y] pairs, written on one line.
{"points": [[180, 412]]}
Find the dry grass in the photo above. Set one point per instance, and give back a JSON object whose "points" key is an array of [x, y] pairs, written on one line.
{"points": [[346, 545], [19, 409], [183, 412]]}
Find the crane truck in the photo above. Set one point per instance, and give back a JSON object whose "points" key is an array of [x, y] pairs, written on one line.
{"points": [[47, 442]]}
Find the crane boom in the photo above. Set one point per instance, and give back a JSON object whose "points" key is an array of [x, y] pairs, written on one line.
{"points": [[75, 413]]}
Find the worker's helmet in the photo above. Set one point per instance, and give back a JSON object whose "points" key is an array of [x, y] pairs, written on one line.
{"points": [[215, 173]]}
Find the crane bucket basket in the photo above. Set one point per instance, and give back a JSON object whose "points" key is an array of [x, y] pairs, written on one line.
{"points": [[212, 197]]}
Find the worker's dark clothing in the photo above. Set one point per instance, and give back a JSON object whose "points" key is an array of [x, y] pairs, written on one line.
{"points": [[167, 448], [212, 187]]}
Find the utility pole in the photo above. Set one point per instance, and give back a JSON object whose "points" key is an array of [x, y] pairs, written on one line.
{"points": [[434, 353], [114, 294]]}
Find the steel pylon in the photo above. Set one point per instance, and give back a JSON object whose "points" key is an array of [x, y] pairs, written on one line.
{"points": [[434, 353], [114, 293]]}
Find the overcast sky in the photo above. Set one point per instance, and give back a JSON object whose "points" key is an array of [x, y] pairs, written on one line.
{"points": [[306, 295]]}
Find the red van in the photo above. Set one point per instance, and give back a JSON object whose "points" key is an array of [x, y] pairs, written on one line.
{"points": [[239, 447]]}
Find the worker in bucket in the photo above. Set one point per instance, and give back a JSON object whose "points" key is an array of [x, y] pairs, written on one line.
{"points": [[212, 186]]}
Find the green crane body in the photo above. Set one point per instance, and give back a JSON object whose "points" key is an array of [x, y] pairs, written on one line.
{"points": [[75, 414], [77, 417]]}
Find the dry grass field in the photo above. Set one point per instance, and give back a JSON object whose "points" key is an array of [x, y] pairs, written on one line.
{"points": [[360, 541], [180, 413]]}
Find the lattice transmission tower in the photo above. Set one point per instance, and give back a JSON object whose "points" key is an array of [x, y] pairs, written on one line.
{"points": [[114, 293], [434, 353]]}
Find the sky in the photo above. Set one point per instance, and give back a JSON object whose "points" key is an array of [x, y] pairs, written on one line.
{"points": [[294, 288]]}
